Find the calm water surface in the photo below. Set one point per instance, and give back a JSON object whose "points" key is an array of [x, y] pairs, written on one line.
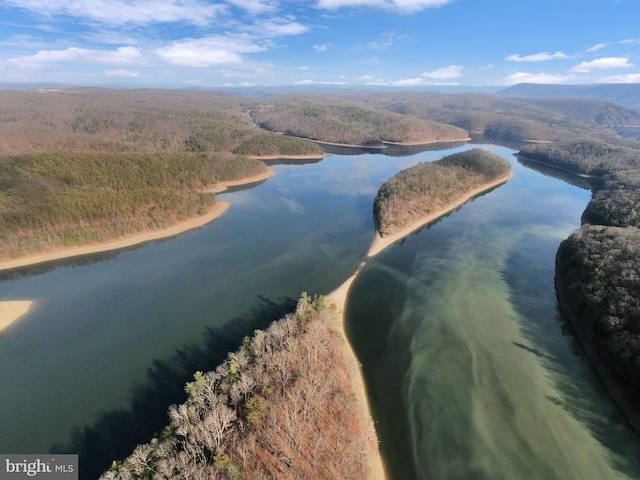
{"points": [[470, 369], [486, 382]]}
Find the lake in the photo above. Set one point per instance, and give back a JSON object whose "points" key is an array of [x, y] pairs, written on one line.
{"points": [[467, 305], [471, 371]]}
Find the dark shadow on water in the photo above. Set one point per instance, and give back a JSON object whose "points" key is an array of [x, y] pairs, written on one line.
{"points": [[551, 339], [549, 171], [45, 267], [291, 161], [390, 150], [375, 300], [117, 432]]}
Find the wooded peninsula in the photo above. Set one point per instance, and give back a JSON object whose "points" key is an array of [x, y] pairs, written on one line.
{"points": [[87, 166]]}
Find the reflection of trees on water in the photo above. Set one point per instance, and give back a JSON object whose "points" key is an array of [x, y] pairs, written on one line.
{"points": [[77, 261], [292, 161], [391, 150], [553, 172], [116, 433]]}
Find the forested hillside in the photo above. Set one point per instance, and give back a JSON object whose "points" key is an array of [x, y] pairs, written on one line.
{"points": [[509, 118], [84, 166], [625, 94], [428, 187], [329, 120], [598, 282], [63, 199], [269, 145], [279, 407], [597, 268], [586, 157]]}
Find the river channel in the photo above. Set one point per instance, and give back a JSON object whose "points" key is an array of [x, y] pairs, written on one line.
{"points": [[470, 369]]}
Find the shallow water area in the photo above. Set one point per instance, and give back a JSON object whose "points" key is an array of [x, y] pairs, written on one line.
{"points": [[111, 338], [469, 367]]}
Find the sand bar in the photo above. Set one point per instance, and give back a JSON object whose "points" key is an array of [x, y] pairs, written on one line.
{"points": [[309, 156], [218, 209], [12, 311], [373, 456], [222, 186], [339, 298], [427, 142], [380, 243]]}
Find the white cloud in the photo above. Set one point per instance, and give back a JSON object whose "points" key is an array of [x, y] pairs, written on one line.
{"points": [[417, 82], [321, 47], [444, 73], [121, 73], [537, 57], [409, 82], [630, 41], [524, 77], [276, 28], [207, 51], [608, 63], [121, 12], [385, 41], [628, 78], [316, 82], [402, 6], [597, 47], [119, 56], [255, 6]]}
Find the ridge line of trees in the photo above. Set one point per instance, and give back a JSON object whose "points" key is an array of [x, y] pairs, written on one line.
{"points": [[279, 407], [428, 187]]}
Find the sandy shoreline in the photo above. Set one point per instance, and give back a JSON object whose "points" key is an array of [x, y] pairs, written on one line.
{"points": [[380, 243], [385, 143], [339, 298], [430, 142], [556, 167], [310, 156], [218, 209], [12, 311], [222, 186]]}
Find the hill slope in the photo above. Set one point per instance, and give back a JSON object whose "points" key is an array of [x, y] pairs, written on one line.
{"points": [[627, 94]]}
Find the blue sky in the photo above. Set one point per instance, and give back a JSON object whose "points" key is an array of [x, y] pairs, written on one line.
{"points": [[401, 43]]}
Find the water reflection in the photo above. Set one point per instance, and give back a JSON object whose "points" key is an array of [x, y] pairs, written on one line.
{"points": [[468, 371]]}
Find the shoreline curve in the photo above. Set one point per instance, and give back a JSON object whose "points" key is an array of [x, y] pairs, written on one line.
{"points": [[124, 242], [379, 243], [339, 299], [610, 384], [10, 311]]}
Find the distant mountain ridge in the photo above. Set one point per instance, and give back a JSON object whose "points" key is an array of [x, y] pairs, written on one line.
{"points": [[624, 94]]}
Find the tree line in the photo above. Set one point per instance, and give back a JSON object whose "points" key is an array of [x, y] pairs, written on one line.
{"points": [[61, 199], [597, 267], [331, 120], [430, 186], [281, 406]]}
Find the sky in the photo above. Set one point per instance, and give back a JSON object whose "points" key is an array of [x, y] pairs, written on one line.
{"points": [[393, 43]]}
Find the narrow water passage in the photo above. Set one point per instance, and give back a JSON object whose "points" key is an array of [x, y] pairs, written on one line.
{"points": [[470, 371]]}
